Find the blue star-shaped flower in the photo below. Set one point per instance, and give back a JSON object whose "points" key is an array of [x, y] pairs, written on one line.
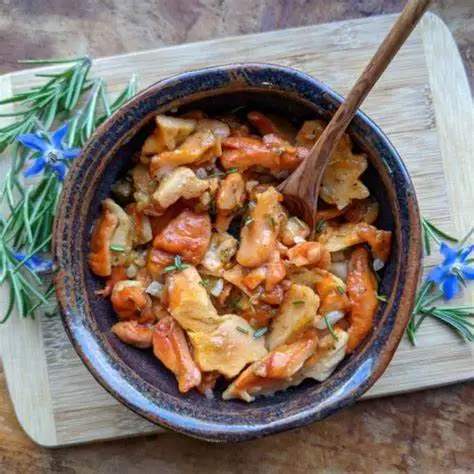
{"points": [[453, 270], [34, 263], [51, 151]]}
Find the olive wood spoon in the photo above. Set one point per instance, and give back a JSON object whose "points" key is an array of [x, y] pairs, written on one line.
{"points": [[301, 188]]}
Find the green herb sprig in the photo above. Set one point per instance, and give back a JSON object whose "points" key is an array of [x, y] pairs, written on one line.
{"points": [[458, 318], [330, 328], [67, 95], [178, 265]]}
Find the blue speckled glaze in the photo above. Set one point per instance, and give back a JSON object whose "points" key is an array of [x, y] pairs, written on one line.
{"points": [[135, 377]]}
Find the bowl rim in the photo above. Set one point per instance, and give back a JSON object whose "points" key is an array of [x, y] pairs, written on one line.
{"points": [[219, 431]]}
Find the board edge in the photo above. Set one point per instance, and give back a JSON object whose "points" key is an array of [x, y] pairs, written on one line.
{"points": [[33, 407]]}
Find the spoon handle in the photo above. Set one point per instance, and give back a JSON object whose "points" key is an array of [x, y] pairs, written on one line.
{"points": [[316, 162]]}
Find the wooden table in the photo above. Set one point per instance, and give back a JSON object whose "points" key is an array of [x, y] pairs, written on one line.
{"points": [[423, 432]]}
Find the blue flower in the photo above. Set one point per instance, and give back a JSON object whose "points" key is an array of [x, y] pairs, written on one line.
{"points": [[453, 270], [34, 263], [51, 152]]}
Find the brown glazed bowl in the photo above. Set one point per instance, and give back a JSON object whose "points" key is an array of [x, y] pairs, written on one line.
{"points": [[137, 378]]}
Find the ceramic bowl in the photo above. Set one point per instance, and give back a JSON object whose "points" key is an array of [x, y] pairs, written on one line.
{"points": [[137, 378]]}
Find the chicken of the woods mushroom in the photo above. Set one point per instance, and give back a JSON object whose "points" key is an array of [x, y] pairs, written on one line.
{"points": [[204, 265]]}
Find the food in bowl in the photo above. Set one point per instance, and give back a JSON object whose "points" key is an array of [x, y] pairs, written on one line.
{"points": [[205, 266]]}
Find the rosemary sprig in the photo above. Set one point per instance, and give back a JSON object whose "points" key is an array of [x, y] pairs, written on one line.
{"points": [[42, 104], [431, 231], [458, 318], [70, 95], [178, 265]]}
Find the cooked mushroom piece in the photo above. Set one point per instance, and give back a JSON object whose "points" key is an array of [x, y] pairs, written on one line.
{"points": [[183, 183], [171, 348], [258, 237], [276, 371], [229, 348], [298, 313]]}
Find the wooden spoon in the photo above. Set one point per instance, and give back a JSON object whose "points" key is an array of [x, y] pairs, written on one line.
{"points": [[301, 188]]}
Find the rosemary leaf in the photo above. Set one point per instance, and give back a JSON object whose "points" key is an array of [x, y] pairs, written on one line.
{"points": [[330, 329], [53, 61], [260, 332]]}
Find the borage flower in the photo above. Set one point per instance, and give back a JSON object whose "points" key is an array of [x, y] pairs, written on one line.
{"points": [[34, 262], [52, 151], [453, 270]]}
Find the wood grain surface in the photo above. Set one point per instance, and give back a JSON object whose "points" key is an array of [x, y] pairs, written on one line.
{"points": [[431, 431]]}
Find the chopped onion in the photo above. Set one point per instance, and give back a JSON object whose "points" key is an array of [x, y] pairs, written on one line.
{"points": [[201, 173], [155, 288], [332, 317], [131, 271], [339, 269], [217, 287], [378, 264], [163, 171]]}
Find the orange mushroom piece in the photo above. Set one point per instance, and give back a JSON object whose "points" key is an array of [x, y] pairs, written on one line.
{"points": [[332, 292], [141, 227], [262, 123], [188, 235], [379, 240], [274, 372], [230, 198], [362, 290], [290, 156], [245, 152], [118, 273], [362, 210], [258, 238], [171, 348], [276, 271], [340, 237], [311, 254], [100, 257], [130, 301], [133, 333], [157, 261], [200, 147]]}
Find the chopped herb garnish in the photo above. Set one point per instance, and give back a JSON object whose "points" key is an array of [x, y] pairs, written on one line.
{"points": [[205, 283], [212, 207], [217, 174], [330, 328], [117, 248], [225, 253], [242, 330], [234, 303], [178, 265], [220, 174], [260, 332], [381, 298], [298, 302], [273, 222], [248, 222], [340, 290], [319, 226]]}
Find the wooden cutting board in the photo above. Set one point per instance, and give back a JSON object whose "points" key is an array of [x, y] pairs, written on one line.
{"points": [[423, 103]]}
